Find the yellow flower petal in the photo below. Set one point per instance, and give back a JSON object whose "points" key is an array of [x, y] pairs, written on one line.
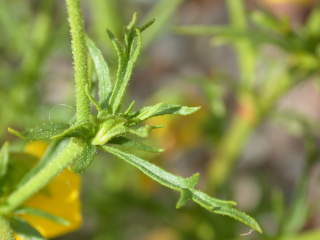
{"points": [[36, 148]]}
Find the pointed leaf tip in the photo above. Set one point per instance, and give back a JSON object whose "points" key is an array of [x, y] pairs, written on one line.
{"points": [[185, 196]]}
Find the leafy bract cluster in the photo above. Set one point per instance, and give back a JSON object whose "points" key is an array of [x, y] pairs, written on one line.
{"points": [[115, 127]]}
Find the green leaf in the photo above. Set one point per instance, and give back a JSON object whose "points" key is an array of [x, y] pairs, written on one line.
{"points": [[134, 144], [186, 187], [43, 132], [162, 109], [142, 131], [85, 159], [125, 72], [42, 214], [103, 73], [4, 159], [109, 129], [25, 230], [83, 130]]}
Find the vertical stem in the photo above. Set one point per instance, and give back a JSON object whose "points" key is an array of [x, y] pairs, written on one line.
{"points": [[245, 51], [79, 53], [245, 119]]}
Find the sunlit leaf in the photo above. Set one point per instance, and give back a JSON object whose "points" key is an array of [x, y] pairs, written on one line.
{"points": [[164, 108], [42, 132], [103, 73], [186, 187], [125, 72]]}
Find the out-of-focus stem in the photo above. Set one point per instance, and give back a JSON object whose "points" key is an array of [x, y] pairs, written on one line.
{"points": [[252, 112], [245, 51]]}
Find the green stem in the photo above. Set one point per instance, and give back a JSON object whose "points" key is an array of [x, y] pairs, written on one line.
{"points": [[246, 53], [242, 126], [79, 53], [230, 147], [44, 176]]}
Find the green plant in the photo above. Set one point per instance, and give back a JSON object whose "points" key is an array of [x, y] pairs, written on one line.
{"points": [[256, 101], [111, 128]]}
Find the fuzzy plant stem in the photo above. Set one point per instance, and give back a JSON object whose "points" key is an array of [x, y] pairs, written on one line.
{"points": [[79, 53], [44, 176]]}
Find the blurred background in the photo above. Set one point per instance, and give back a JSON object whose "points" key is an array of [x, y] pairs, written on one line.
{"points": [[253, 67]]}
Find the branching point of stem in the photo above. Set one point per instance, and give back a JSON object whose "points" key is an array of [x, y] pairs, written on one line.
{"points": [[45, 175]]}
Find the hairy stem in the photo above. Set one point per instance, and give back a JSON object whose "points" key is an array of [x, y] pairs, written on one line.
{"points": [[79, 53], [44, 176]]}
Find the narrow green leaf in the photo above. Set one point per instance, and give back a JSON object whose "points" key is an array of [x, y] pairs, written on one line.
{"points": [[120, 51], [25, 230], [109, 129], [123, 79], [162, 109], [43, 132], [239, 216], [185, 196], [134, 144], [143, 131], [103, 73], [165, 178], [186, 188], [85, 159], [77, 130], [133, 21], [42, 214], [4, 159], [130, 107]]}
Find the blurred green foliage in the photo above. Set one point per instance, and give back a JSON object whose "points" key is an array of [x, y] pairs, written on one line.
{"points": [[33, 32]]}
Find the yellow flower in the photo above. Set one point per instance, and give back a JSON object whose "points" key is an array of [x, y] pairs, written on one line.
{"points": [[60, 198]]}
